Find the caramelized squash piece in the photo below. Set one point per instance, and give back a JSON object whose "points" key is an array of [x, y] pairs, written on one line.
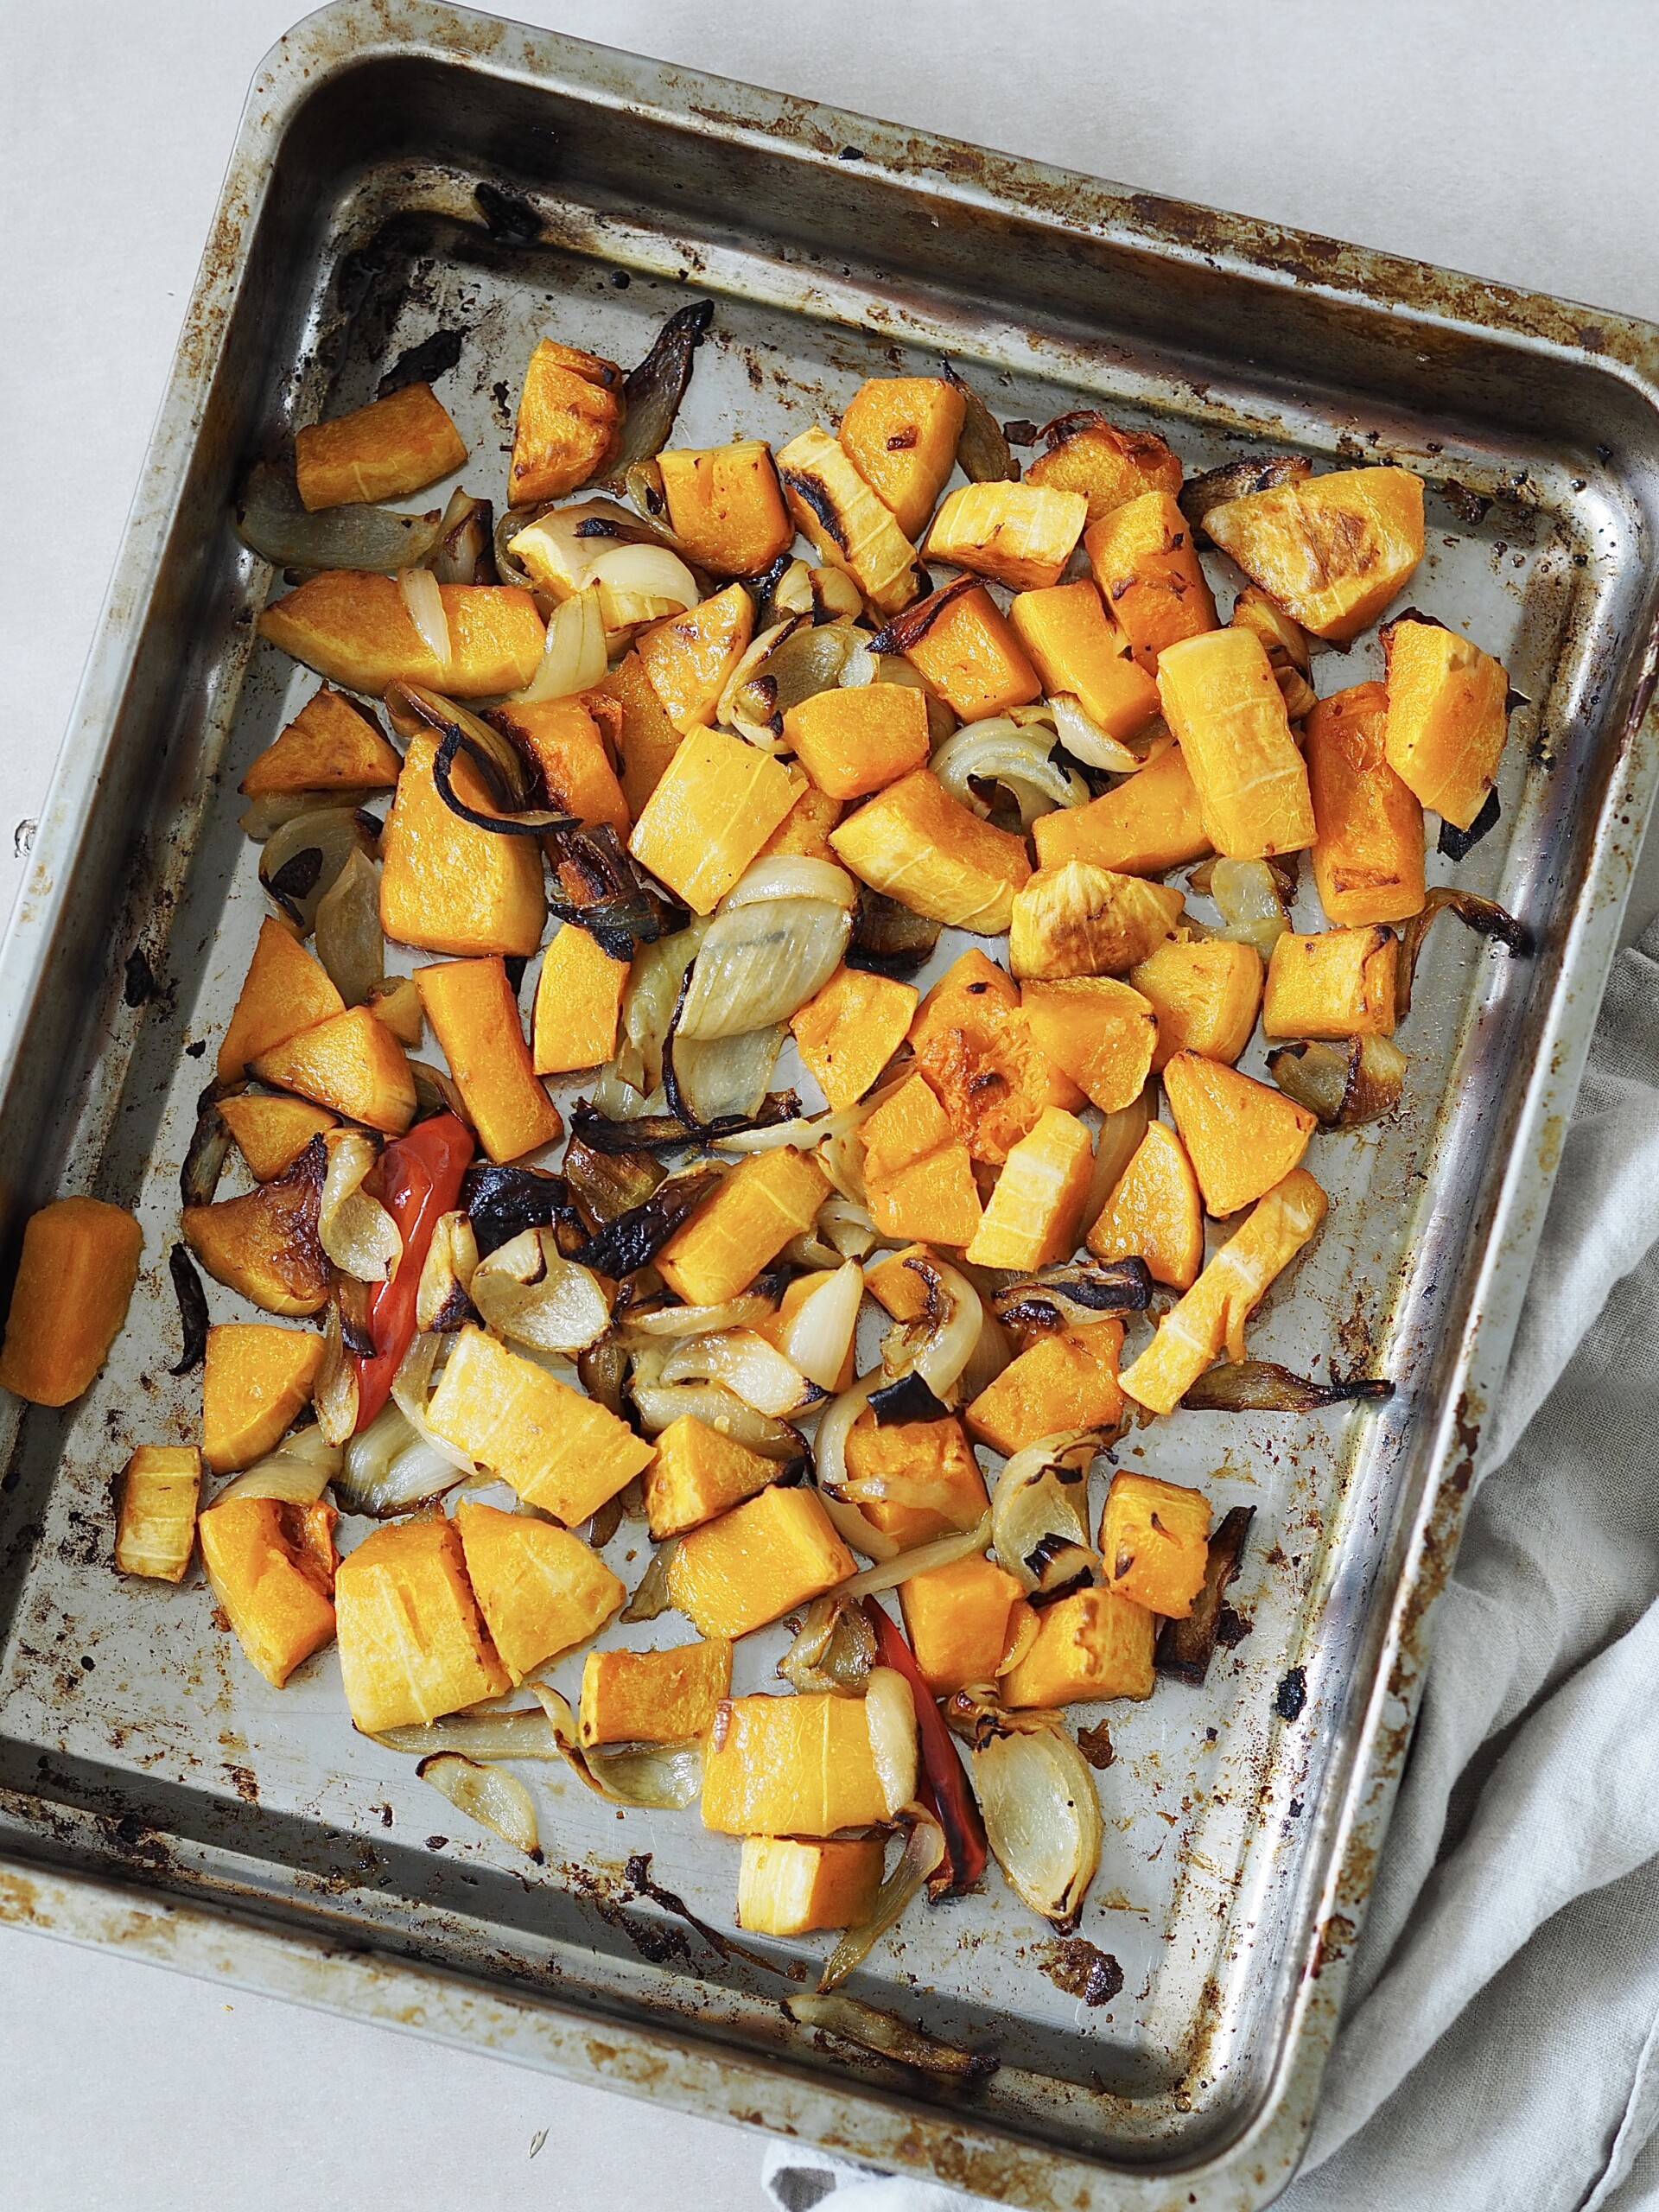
{"points": [[958, 1620], [1154, 1543], [973, 1041], [474, 1017], [1078, 920], [769, 1197], [725, 507], [934, 1460], [698, 1474], [271, 1133], [356, 630], [777, 1550], [1228, 715], [793, 1766], [1101, 1032], [714, 807], [257, 1381], [854, 742], [383, 451], [271, 1567], [1337, 983], [1204, 995], [1109, 466], [1333, 550], [654, 1697], [285, 991], [1368, 854], [1022, 535], [919, 1176], [786, 1886], [412, 1646], [648, 741], [578, 1003], [447, 886], [848, 1032], [1208, 1321], [1155, 1212], [1079, 649], [903, 1129], [690, 657], [352, 1064], [541, 1590], [962, 646], [1447, 719], [1036, 1209], [917, 844], [1149, 572], [562, 737], [332, 746], [805, 829], [74, 1281], [265, 1244], [844, 522], [1149, 823], [1095, 1645], [156, 1524], [1242, 1136], [900, 433], [1064, 1380], [570, 423]]}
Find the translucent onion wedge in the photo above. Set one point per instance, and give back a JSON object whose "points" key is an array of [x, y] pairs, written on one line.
{"points": [[388, 1469], [521, 1735], [752, 712], [658, 1404], [637, 584], [1085, 740], [820, 1334], [752, 1369], [496, 1800], [273, 521], [572, 658], [530, 1293], [1040, 1512], [835, 2013], [354, 1230], [350, 942], [1041, 1807], [1250, 898], [648, 1002], [334, 1393], [791, 876], [301, 861], [923, 1851], [762, 959], [1021, 760], [890, 1710], [651, 1596], [830, 1469], [941, 1339], [423, 601], [442, 1297], [803, 661], [1345, 1082], [939, 1551], [721, 1078], [698, 1320], [844, 1230], [834, 1650], [297, 1472], [411, 1385], [1117, 1144], [665, 1777]]}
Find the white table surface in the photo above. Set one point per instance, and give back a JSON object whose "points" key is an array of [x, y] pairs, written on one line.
{"points": [[1503, 137]]}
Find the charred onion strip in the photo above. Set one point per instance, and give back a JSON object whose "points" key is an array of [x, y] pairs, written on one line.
{"points": [[920, 1864], [210, 1146], [1075, 1290], [1485, 916], [1237, 480], [192, 1310], [1261, 1386], [667, 1133], [982, 451], [891, 2037], [503, 1201], [1458, 844], [634, 1238], [1358, 1079], [655, 388], [908, 1399], [1186, 1647], [603, 889]]}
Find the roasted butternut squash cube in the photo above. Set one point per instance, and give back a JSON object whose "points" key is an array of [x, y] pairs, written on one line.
{"points": [[395, 1000], [578, 1004], [447, 886], [570, 423], [285, 991], [905, 1128], [541, 1590], [789, 1887], [844, 522], [654, 1697], [412, 1644], [255, 1384], [1036, 1210], [562, 737], [690, 657], [897, 1286], [1078, 919], [1108, 466], [1333, 550], [857, 740], [1149, 572], [1064, 1380], [1101, 1032], [562, 1451], [332, 745], [1229, 716], [1079, 649], [848, 1032], [265, 1244], [356, 629], [929, 1480], [917, 844], [1022, 535], [972, 1040], [956, 1618], [698, 1474], [270, 1565], [778, 1550], [1447, 718], [1154, 1212], [805, 829], [1368, 854], [796, 1766], [1094, 1644], [900, 433], [474, 1016], [1149, 823], [74, 1282], [962, 646], [1203, 995], [156, 1522], [1242, 1136], [934, 1199], [714, 806], [1336, 984], [725, 507], [351, 1064], [768, 1197], [1210, 1319], [648, 741], [271, 1133], [1155, 1542], [391, 448]]}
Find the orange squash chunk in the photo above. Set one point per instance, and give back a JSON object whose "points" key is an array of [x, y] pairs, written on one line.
{"points": [[391, 448], [156, 1525], [854, 742], [1222, 702], [935, 1197], [725, 507], [562, 739], [1109, 466], [794, 1766], [847, 1033], [447, 886], [265, 1244], [805, 829], [963, 646], [570, 423], [285, 991], [956, 1618], [541, 1590], [786, 1886], [1036, 1209], [1095, 1645], [769, 1197], [1367, 854], [896, 1287], [1337, 983], [1447, 719], [474, 1017], [777, 1550], [900, 433], [905, 1129], [973, 1042], [1101, 1032], [1148, 570], [917, 844], [714, 807], [270, 1565], [654, 1697], [847, 525], [578, 1002], [1242, 1136], [356, 630], [935, 1457], [1206, 996], [1149, 823], [1333, 550], [352, 1064], [648, 741], [1286, 646], [1154, 1543], [1022, 535], [1078, 920], [1065, 1379], [271, 1133], [331, 745], [690, 657], [412, 1645], [1155, 1212], [698, 1473], [256, 1382], [74, 1281], [1079, 649]]}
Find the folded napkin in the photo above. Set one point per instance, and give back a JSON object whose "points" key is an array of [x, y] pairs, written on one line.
{"points": [[1500, 2046]]}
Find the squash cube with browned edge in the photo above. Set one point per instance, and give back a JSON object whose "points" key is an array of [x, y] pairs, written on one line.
{"points": [[844, 522], [448, 885], [689, 657], [356, 630], [1242, 1136], [562, 1451], [351, 1064], [1109, 466], [769, 1197], [541, 1590], [332, 745], [914, 1480], [1064, 1380], [847, 1033], [1155, 1542], [800, 1766], [386, 450], [1081, 650], [855, 741], [900, 433], [725, 507], [917, 844], [1155, 1212], [777, 1550], [1447, 718], [570, 423], [1333, 550], [1150, 575], [698, 1474], [961, 645], [1101, 1032], [647, 740], [1205, 996], [271, 1133], [956, 1618], [271, 1567], [265, 1244], [934, 1198], [1335, 983], [973, 1042], [255, 1384], [1078, 920], [715, 805], [1229, 717], [412, 1644], [1022, 535], [563, 738], [805, 829], [155, 1522], [789, 1887], [578, 1004], [1035, 1212], [285, 990], [1368, 855], [1095, 1645], [654, 1697], [69, 1302], [474, 1016], [1149, 823], [1208, 1321]]}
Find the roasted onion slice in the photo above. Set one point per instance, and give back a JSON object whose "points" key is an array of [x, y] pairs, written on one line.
{"points": [[1345, 1082], [1485, 916], [1041, 1807], [273, 521], [1039, 1514]]}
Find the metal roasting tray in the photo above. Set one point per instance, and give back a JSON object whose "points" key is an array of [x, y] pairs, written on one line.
{"points": [[154, 1793]]}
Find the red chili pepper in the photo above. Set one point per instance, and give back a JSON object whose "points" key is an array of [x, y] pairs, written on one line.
{"points": [[945, 1784], [420, 1178]]}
